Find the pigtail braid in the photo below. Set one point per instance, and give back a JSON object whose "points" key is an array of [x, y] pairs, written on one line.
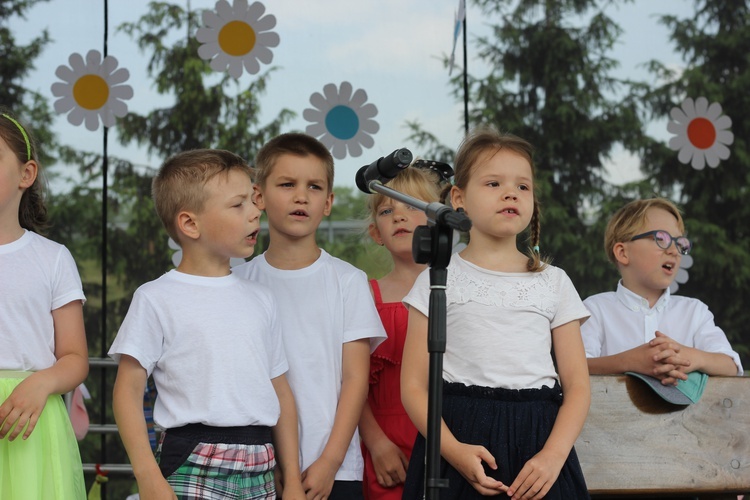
{"points": [[535, 228]]}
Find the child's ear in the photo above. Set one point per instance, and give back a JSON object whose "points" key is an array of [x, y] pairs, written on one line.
{"points": [[329, 204], [375, 234], [258, 198], [620, 251], [188, 225], [28, 174], [456, 198]]}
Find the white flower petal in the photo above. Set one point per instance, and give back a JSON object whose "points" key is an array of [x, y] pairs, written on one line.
{"points": [[213, 23], [92, 120], [367, 111], [345, 93], [339, 151], [676, 143], [701, 106], [724, 137], [366, 140], [220, 62], [678, 115], [714, 111], [722, 152], [108, 118], [235, 69], [263, 55], [121, 92], [682, 276], [316, 129], [119, 76], [118, 108], [689, 108], [66, 74], [265, 23], [712, 159], [64, 105], [61, 89], [686, 262], [370, 127], [723, 123], [108, 66], [331, 94], [93, 61], [208, 51], [320, 102], [699, 160], [251, 65], [686, 154], [268, 39], [76, 116], [355, 149], [358, 99], [312, 115], [206, 35], [225, 11]]}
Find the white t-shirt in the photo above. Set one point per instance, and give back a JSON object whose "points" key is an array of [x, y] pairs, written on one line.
{"points": [[499, 325], [623, 320], [212, 344], [322, 307], [37, 276]]}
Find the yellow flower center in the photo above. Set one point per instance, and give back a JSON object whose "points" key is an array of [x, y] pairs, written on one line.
{"points": [[237, 38], [91, 92]]}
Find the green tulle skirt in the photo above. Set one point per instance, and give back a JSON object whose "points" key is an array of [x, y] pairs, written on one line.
{"points": [[47, 465]]}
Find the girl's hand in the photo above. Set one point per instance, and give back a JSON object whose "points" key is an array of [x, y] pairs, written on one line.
{"points": [[468, 461], [390, 463], [317, 480], [537, 477], [23, 407]]}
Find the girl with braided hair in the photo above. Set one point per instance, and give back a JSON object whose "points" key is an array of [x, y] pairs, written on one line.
{"points": [[516, 387]]}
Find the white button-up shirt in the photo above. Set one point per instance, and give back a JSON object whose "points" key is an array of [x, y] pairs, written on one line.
{"points": [[623, 320]]}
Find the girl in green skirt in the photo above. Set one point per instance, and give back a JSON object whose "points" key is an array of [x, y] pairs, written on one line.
{"points": [[43, 351]]}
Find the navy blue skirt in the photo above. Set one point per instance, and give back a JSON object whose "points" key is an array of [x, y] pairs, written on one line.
{"points": [[512, 424]]}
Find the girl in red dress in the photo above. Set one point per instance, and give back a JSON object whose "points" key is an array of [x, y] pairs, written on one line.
{"points": [[386, 430]]}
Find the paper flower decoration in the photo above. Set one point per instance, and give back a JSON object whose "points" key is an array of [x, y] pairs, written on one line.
{"points": [[682, 275], [92, 89], [702, 134], [341, 120], [237, 35]]}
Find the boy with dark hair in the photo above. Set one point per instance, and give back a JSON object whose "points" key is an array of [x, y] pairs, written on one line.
{"points": [[329, 321]]}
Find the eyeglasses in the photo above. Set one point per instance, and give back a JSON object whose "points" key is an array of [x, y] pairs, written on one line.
{"points": [[664, 240]]}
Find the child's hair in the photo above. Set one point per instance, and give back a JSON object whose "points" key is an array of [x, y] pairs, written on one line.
{"points": [[420, 183], [32, 212], [629, 219], [292, 143], [483, 140], [179, 184]]}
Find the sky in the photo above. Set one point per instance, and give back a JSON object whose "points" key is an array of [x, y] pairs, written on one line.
{"points": [[391, 49]]}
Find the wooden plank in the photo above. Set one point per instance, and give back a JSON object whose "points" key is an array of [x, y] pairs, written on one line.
{"points": [[635, 442]]}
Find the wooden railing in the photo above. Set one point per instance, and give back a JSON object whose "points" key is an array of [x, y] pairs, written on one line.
{"points": [[635, 443]]}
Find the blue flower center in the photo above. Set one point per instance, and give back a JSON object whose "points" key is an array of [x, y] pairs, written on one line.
{"points": [[342, 122]]}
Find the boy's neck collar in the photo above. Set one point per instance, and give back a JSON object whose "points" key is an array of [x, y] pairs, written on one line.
{"points": [[635, 301], [290, 257]]}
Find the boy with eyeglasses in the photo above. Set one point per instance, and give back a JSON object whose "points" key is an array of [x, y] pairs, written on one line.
{"points": [[641, 327]]}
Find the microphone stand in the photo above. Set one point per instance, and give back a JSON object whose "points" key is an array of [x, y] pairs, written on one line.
{"points": [[431, 245]]}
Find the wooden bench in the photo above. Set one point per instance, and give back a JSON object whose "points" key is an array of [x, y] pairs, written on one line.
{"points": [[636, 444]]}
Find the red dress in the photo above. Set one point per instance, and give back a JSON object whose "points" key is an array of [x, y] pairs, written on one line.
{"points": [[385, 393]]}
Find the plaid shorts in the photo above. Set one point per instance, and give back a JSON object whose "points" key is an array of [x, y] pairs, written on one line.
{"points": [[202, 462]]}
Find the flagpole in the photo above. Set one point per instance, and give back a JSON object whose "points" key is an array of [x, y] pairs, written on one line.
{"points": [[466, 82]]}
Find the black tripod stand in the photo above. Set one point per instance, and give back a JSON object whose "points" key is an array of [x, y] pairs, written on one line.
{"points": [[432, 245]]}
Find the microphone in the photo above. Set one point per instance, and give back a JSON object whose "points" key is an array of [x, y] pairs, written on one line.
{"points": [[383, 169]]}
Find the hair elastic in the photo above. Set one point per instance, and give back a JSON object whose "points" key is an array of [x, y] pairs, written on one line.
{"points": [[535, 248], [23, 133]]}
